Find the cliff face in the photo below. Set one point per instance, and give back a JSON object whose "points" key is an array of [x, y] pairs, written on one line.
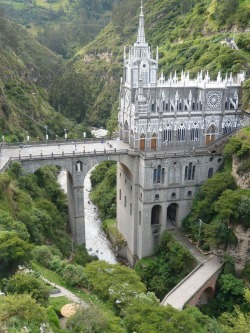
{"points": [[241, 253], [243, 181]]}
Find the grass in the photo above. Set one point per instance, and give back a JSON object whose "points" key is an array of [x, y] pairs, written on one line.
{"points": [[58, 302], [57, 279]]}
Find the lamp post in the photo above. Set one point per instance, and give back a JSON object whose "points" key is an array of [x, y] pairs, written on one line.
{"points": [[199, 236], [27, 138], [65, 134], [46, 129]]}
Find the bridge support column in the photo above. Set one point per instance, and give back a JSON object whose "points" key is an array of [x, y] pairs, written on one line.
{"points": [[79, 218], [76, 208]]}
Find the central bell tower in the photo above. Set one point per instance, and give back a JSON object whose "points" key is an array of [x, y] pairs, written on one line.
{"points": [[140, 71]]}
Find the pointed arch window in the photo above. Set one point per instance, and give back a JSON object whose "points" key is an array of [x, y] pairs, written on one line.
{"points": [[195, 132], [167, 134], [190, 171], [159, 175], [181, 132], [227, 127]]}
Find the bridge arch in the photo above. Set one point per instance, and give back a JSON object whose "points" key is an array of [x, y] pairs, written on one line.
{"points": [[172, 214], [156, 213], [77, 165]]}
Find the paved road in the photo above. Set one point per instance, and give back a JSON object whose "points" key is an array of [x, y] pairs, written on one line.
{"points": [[65, 292], [8, 152]]}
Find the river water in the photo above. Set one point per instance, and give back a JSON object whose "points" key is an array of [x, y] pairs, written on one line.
{"points": [[96, 241]]}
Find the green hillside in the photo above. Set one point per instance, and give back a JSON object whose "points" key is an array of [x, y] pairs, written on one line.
{"points": [[26, 71], [190, 36], [61, 25]]}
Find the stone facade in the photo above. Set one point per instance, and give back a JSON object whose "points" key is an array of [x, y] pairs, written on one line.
{"points": [[171, 123]]}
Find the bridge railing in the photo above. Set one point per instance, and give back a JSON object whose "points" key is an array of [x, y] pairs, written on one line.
{"points": [[6, 165], [71, 154]]}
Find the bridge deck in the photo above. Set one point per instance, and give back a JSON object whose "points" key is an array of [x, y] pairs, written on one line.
{"points": [[188, 287]]}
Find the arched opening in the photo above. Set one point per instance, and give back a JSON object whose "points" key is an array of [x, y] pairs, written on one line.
{"points": [[205, 297], [210, 173], [142, 142], [78, 166], [156, 215], [172, 215], [210, 135], [153, 142]]}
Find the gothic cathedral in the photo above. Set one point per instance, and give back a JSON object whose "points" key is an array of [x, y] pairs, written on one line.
{"points": [[170, 125]]}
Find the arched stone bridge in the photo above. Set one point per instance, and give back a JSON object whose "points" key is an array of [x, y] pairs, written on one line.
{"points": [[77, 159], [197, 287]]}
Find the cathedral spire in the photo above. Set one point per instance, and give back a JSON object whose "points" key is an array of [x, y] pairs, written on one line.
{"points": [[141, 32]]}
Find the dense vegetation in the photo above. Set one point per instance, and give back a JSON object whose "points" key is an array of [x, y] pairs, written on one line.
{"points": [[62, 26], [34, 82]]}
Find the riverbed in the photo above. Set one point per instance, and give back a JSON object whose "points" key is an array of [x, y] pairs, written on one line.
{"points": [[96, 240]]}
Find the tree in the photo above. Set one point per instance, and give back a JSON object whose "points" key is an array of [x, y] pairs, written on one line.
{"points": [[22, 283], [7, 223], [229, 292], [230, 205], [14, 251], [238, 322], [114, 283], [170, 265], [20, 311], [74, 275], [93, 319]]}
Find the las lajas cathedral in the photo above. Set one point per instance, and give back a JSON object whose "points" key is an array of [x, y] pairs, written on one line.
{"points": [[172, 125]]}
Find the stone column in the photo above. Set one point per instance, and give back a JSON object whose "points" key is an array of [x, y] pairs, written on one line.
{"points": [[79, 235], [76, 206]]}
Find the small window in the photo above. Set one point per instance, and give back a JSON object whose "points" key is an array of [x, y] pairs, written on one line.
{"points": [[130, 208], [120, 175], [173, 195], [125, 201], [120, 194], [157, 197], [189, 193], [131, 188], [139, 217], [219, 160], [125, 180], [211, 159]]}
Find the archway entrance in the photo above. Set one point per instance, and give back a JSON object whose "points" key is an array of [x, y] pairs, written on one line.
{"points": [[153, 142], [205, 297], [156, 215], [210, 136], [172, 215], [142, 142]]}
